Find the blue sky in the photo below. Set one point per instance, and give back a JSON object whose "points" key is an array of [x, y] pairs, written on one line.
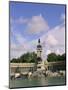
{"points": [[31, 21], [49, 12]]}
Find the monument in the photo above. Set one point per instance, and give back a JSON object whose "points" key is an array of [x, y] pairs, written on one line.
{"points": [[39, 52], [40, 64]]}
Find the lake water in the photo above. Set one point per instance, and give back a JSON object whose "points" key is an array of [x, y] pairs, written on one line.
{"points": [[43, 81]]}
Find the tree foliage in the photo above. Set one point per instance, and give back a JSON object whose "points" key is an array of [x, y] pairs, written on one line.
{"points": [[32, 58], [26, 58], [53, 57]]}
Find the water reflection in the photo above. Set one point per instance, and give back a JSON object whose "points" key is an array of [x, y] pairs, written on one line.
{"points": [[37, 82]]}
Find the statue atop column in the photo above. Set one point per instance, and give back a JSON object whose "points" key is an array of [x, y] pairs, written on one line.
{"points": [[39, 51]]}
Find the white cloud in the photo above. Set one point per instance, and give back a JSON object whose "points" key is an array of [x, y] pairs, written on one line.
{"points": [[18, 50], [62, 17], [54, 40], [21, 47], [22, 20], [19, 20], [20, 39], [48, 52], [55, 36], [51, 40], [57, 51], [37, 24], [59, 33]]}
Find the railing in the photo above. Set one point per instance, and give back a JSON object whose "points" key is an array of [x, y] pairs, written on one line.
{"points": [[22, 64]]}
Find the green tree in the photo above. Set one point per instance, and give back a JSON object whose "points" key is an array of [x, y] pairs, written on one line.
{"points": [[51, 57], [64, 56], [14, 60], [26, 58]]}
